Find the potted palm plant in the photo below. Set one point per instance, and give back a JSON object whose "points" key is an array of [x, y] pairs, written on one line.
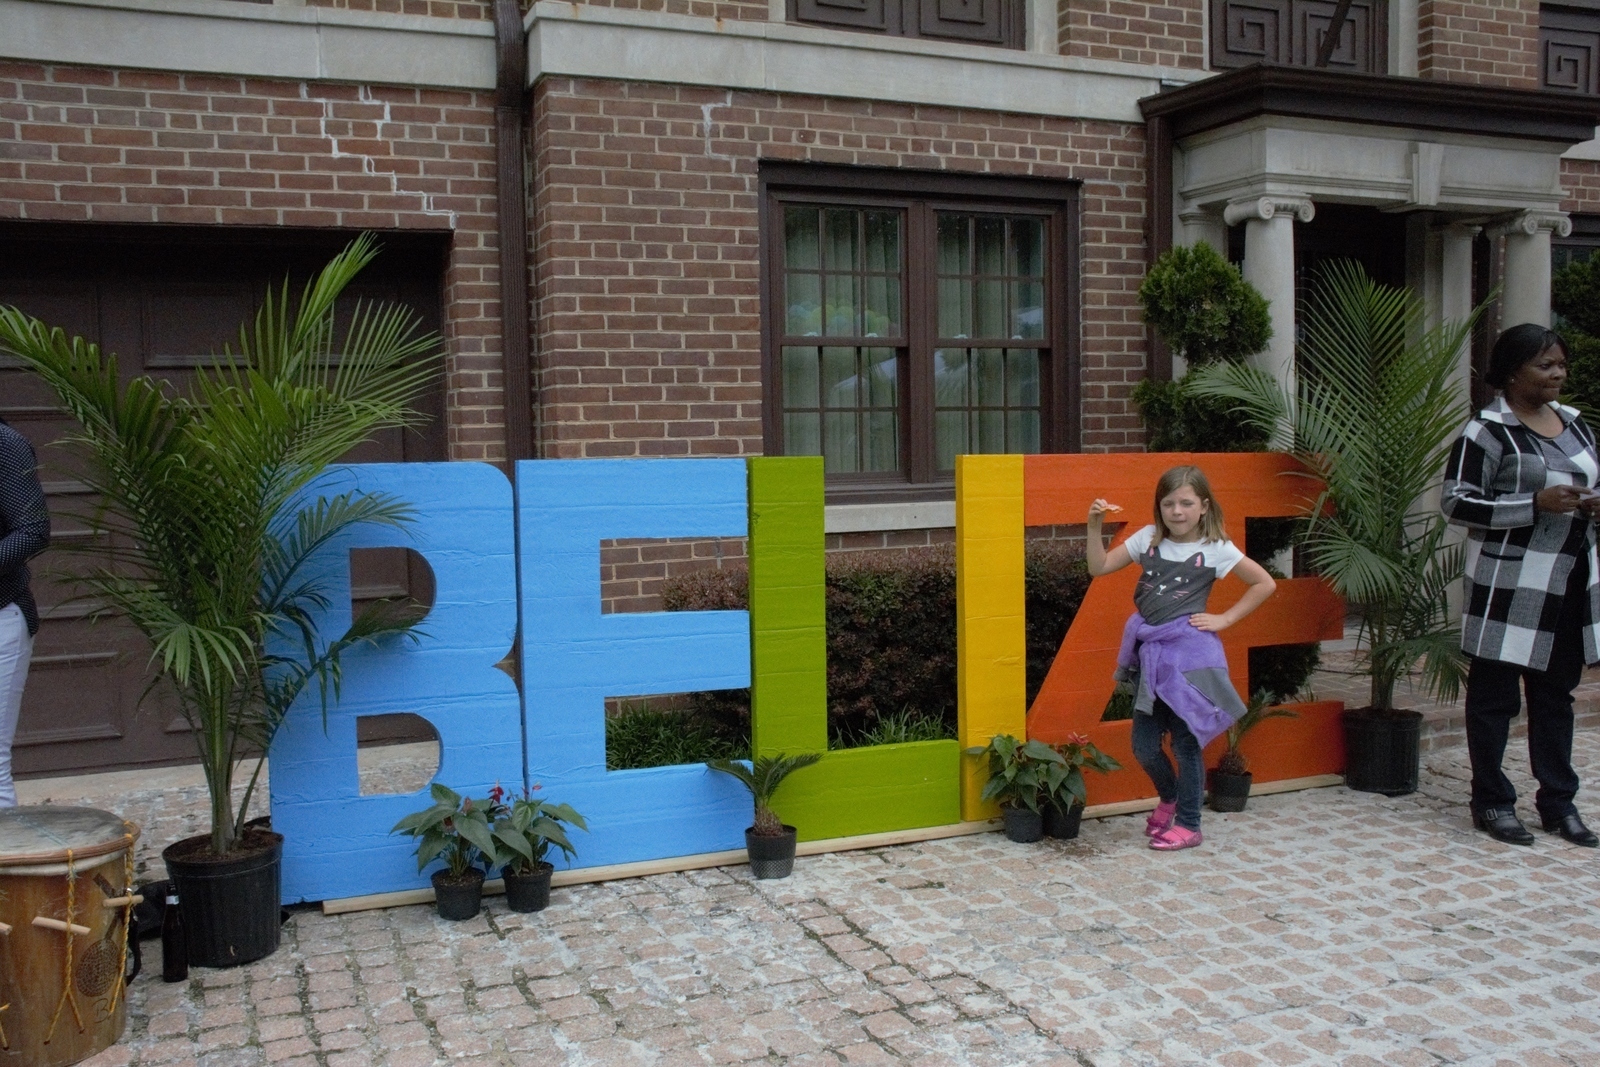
{"points": [[1231, 779], [769, 841], [204, 501], [523, 832], [1063, 807], [1373, 415], [1022, 776]]}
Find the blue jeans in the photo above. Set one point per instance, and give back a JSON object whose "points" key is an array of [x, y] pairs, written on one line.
{"points": [[1187, 783]]}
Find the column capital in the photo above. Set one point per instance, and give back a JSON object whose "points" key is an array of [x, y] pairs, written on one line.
{"points": [[1269, 206], [1529, 223]]}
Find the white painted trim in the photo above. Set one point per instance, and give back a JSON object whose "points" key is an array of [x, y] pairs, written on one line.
{"points": [[1586, 150], [1044, 27], [586, 41], [251, 40], [1404, 28], [872, 518]]}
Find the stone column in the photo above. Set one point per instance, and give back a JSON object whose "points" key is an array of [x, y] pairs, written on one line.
{"points": [[1269, 266], [1455, 291], [1526, 292]]}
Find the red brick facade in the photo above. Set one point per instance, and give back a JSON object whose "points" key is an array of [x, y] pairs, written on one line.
{"points": [[1481, 42], [438, 9], [86, 144], [1168, 34], [732, 10], [1581, 180], [647, 249]]}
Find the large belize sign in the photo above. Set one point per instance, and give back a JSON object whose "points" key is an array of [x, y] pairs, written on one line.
{"points": [[528, 562]]}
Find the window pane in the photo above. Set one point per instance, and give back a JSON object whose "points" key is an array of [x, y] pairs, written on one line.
{"points": [[800, 379], [803, 299], [841, 450], [991, 245], [950, 377], [839, 378], [800, 238], [1027, 248], [883, 241], [949, 438], [954, 245], [1022, 379], [839, 239], [881, 379], [882, 311], [1027, 310], [989, 316], [841, 309], [802, 433], [883, 441], [955, 308], [1022, 431], [991, 431], [988, 375]]}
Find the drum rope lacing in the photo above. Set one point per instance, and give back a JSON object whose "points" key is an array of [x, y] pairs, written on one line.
{"points": [[67, 996], [127, 917]]}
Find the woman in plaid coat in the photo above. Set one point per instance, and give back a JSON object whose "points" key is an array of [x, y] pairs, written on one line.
{"points": [[1521, 479]]}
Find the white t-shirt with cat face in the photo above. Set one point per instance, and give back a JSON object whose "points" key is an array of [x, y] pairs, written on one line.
{"points": [[1220, 556]]}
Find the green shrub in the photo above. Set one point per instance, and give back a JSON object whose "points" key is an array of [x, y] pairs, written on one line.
{"points": [[1202, 307], [1575, 298], [898, 729], [1281, 671], [642, 736], [1176, 421]]}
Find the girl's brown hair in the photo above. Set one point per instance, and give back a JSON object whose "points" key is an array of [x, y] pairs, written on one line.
{"points": [[1211, 528]]}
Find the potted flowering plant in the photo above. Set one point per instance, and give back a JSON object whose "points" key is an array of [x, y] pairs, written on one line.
{"points": [[1022, 775], [523, 832], [1063, 809], [456, 829]]}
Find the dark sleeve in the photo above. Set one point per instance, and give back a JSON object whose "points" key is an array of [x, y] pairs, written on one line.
{"points": [[1468, 499], [26, 521]]}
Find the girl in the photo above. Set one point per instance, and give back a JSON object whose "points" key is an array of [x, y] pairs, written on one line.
{"points": [[1170, 645]]}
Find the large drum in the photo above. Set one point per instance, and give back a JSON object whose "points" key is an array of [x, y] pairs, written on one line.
{"points": [[65, 912]]}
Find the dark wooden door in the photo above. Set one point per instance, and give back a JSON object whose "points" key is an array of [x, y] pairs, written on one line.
{"points": [[164, 300]]}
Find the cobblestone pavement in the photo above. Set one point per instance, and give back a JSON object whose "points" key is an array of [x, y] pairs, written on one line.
{"points": [[1321, 927]]}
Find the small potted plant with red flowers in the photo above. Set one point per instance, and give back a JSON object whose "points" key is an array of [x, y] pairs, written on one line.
{"points": [[456, 829], [1022, 775], [523, 832], [1063, 808]]}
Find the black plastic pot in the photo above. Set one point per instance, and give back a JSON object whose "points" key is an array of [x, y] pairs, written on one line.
{"points": [[770, 857], [1382, 750], [458, 896], [1230, 791], [231, 906], [530, 891], [1022, 826], [1062, 822]]}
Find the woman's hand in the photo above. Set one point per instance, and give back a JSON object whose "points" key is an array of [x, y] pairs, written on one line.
{"points": [[1100, 509], [1560, 499]]}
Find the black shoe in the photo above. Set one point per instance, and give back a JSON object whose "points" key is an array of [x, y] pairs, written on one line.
{"points": [[1502, 824], [1572, 829]]}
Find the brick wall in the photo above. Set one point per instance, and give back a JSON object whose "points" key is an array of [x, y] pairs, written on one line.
{"points": [[646, 249], [1170, 34], [1581, 179], [86, 144], [733, 10], [439, 9], [1480, 42]]}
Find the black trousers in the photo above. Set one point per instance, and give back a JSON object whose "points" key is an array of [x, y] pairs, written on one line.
{"points": [[1493, 701]]}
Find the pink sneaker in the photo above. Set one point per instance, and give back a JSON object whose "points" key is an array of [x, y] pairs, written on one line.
{"points": [[1175, 838], [1160, 820]]}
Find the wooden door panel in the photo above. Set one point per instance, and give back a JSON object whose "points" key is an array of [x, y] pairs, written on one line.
{"points": [[163, 300]]}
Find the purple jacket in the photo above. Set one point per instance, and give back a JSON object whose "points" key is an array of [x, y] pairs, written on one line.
{"points": [[1185, 668]]}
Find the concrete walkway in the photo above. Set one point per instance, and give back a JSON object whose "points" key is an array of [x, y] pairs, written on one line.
{"points": [[1322, 927]]}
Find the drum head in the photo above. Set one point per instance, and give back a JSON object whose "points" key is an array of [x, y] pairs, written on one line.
{"points": [[44, 833]]}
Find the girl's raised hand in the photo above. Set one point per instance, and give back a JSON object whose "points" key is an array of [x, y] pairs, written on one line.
{"points": [[1100, 509]]}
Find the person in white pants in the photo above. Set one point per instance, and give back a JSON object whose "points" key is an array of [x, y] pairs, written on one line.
{"points": [[24, 533]]}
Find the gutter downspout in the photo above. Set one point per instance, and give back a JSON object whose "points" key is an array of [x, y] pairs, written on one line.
{"points": [[511, 78]]}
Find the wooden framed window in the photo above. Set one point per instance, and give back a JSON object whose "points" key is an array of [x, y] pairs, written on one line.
{"points": [[912, 318], [1569, 49], [994, 22], [1288, 33]]}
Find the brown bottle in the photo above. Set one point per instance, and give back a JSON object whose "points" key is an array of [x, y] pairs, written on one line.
{"points": [[174, 946]]}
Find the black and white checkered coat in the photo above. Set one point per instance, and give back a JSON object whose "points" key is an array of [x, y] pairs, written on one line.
{"points": [[1519, 558]]}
